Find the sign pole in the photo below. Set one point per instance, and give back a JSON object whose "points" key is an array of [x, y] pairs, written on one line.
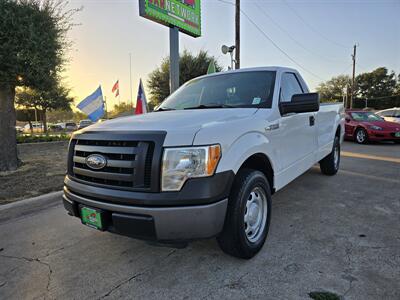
{"points": [[173, 59]]}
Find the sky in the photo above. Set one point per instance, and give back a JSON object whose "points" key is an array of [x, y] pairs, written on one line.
{"points": [[315, 37]]}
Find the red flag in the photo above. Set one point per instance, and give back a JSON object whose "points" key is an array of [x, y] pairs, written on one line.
{"points": [[115, 89], [141, 103]]}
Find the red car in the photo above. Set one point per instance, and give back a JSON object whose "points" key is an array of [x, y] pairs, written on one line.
{"points": [[364, 126]]}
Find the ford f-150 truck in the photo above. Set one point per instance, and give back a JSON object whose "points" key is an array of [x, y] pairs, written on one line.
{"points": [[206, 162]]}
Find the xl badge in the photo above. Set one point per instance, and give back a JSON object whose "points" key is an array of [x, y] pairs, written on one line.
{"points": [[96, 161]]}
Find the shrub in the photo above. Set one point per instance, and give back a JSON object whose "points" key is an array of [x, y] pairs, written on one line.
{"points": [[27, 138]]}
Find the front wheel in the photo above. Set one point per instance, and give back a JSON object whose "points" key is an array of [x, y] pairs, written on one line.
{"points": [[361, 136], [248, 215], [330, 164]]}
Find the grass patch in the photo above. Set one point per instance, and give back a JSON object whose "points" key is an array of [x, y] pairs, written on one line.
{"points": [[42, 171]]}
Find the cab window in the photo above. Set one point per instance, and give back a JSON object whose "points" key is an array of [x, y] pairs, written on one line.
{"points": [[289, 86]]}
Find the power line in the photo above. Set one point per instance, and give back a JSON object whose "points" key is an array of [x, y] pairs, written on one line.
{"points": [[312, 27], [273, 43], [345, 70], [291, 36], [362, 67]]}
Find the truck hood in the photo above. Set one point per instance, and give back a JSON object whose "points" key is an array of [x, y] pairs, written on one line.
{"points": [[180, 125]]}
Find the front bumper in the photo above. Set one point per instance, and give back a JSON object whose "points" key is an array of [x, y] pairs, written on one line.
{"points": [[180, 223], [380, 135], [195, 212]]}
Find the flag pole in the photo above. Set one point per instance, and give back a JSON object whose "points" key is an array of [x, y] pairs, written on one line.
{"points": [[105, 104], [130, 76]]}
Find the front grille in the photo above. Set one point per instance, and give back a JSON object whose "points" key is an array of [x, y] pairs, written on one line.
{"points": [[130, 162]]}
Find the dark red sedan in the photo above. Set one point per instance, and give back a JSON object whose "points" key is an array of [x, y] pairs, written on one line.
{"points": [[364, 126]]}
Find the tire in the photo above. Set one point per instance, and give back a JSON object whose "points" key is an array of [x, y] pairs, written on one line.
{"points": [[397, 141], [250, 198], [330, 164], [361, 136]]}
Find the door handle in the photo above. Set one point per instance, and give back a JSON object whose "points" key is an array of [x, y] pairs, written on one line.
{"points": [[312, 120], [272, 127]]}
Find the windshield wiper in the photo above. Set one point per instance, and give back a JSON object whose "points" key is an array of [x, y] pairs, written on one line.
{"points": [[202, 106], [164, 109]]}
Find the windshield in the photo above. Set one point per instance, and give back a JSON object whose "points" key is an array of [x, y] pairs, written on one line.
{"points": [[243, 89], [365, 116]]}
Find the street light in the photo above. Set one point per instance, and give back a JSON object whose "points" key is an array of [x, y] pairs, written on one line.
{"points": [[225, 49]]}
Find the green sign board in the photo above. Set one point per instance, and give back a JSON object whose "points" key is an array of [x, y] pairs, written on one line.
{"points": [[183, 14]]}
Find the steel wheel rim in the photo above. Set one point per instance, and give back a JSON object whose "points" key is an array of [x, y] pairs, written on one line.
{"points": [[255, 216], [360, 136]]}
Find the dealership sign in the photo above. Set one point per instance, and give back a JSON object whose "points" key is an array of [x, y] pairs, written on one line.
{"points": [[183, 14]]}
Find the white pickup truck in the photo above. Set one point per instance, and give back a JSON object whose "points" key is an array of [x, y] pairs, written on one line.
{"points": [[206, 163]]}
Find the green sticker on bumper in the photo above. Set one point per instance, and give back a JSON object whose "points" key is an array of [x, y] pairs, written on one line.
{"points": [[91, 217]]}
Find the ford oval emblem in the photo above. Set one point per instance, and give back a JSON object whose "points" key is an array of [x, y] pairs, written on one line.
{"points": [[96, 161]]}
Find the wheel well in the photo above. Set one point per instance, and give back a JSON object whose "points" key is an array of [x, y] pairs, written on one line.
{"points": [[338, 130], [358, 127], [260, 162]]}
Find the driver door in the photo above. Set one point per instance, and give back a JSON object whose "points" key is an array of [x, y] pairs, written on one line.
{"points": [[298, 141]]}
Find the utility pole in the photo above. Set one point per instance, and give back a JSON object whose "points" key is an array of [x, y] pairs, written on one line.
{"points": [[237, 34], [354, 76]]}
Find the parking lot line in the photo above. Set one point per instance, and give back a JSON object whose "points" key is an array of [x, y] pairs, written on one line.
{"points": [[347, 172], [373, 157]]}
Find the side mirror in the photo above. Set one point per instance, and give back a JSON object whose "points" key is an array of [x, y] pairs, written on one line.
{"points": [[300, 103], [347, 119]]}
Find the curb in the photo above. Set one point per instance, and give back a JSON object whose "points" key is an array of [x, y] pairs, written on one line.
{"points": [[29, 206]]}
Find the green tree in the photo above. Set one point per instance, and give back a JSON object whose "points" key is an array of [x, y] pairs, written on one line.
{"points": [[397, 89], [121, 109], [190, 66], [78, 116], [375, 84], [59, 115], [56, 98], [332, 90], [32, 54]]}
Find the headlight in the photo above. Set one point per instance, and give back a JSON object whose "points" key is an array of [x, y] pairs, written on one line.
{"points": [[180, 164], [376, 127]]}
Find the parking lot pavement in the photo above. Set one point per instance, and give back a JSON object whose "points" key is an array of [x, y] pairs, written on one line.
{"points": [[339, 234]]}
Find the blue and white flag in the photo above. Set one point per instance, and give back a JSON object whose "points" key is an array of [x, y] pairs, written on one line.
{"points": [[93, 105]]}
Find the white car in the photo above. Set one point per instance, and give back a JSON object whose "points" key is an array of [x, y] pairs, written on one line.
{"points": [[206, 163], [391, 114], [36, 127]]}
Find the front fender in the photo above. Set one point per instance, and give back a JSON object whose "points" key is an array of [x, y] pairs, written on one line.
{"points": [[242, 148]]}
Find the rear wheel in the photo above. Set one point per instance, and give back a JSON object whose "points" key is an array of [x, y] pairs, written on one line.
{"points": [[361, 136], [330, 164], [248, 215]]}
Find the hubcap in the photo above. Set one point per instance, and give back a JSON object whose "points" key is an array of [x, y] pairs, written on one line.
{"points": [[255, 216], [360, 136]]}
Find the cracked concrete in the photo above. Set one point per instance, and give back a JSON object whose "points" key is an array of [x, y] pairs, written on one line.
{"points": [[326, 235], [37, 260]]}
